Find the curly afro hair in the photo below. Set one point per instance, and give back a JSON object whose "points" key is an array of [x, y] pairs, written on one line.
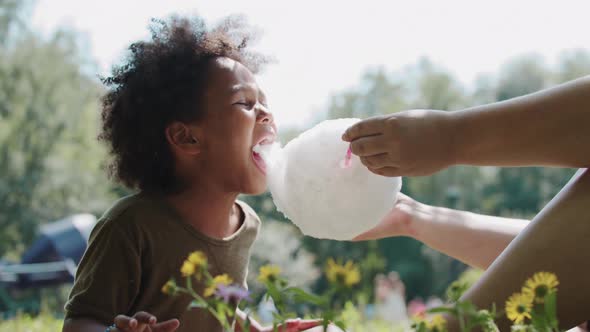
{"points": [[161, 82]]}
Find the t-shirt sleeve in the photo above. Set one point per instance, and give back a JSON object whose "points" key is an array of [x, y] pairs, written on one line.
{"points": [[108, 276]]}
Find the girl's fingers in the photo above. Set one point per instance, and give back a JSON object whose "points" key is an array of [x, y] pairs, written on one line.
{"points": [[309, 323], [167, 326], [145, 318], [125, 323]]}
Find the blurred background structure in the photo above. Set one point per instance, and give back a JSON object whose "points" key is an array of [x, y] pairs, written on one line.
{"points": [[420, 55]]}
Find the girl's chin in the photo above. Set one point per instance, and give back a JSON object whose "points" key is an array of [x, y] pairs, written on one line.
{"points": [[258, 185]]}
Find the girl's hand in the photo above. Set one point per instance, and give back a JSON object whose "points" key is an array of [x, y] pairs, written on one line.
{"points": [[143, 322]]}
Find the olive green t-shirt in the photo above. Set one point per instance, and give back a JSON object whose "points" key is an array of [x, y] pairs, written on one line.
{"points": [[136, 247]]}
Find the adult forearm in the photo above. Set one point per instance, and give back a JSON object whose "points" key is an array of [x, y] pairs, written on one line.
{"points": [[548, 128], [471, 238]]}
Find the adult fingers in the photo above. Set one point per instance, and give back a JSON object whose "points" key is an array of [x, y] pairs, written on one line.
{"points": [[368, 146], [379, 161], [387, 171], [368, 127]]}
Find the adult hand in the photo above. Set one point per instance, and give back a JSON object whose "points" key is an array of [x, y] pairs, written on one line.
{"points": [[416, 142], [398, 222]]}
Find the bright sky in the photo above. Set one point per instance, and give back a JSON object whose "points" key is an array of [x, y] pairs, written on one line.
{"points": [[324, 46]]}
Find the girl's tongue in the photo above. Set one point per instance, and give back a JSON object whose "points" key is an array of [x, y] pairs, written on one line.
{"points": [[258, 159], [265, 154]]}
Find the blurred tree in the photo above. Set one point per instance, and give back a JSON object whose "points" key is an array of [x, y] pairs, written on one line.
{"points": [[522, 191], [435, 88], [520, 76], [377, 94], [10, 17], [573, 64], [484, 91], [49, 158], [279, 244]]}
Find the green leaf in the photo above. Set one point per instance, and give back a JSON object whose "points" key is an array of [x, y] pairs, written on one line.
{"points": [[538, 320], [302, 296], [247, 323], [198, 304], [340, 324], [551, 309], [467, 307], [447, 310]]}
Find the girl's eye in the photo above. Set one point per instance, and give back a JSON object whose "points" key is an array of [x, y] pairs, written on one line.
{"points": [[244, 103]]}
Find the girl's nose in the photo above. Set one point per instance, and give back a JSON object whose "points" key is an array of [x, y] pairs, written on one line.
{"points": [[263, 115]]}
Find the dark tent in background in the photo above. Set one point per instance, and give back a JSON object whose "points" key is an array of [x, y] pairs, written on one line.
{"points": [[53, 257], [61, 240]]}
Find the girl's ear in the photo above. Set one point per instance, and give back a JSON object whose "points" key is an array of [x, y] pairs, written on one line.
{"points": [[183, 139]]}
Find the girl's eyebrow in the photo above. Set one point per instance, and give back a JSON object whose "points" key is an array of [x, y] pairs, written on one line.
{"points": [[240, 87], [250, 87]]}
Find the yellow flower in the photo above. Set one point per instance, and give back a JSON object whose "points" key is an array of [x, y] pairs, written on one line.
{"points": [[539, 285], [169, 287], [347, 274], [188, 268], [222, 279], [269, 273], [518, 307], [198, 258], [437, 323]]}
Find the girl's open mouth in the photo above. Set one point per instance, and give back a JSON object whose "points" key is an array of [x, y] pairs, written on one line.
{"points": [[258, 160]]}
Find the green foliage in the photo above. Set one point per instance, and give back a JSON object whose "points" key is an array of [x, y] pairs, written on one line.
{"points": [[50, 162], [528, 310], [355, 321], [44, 322]]}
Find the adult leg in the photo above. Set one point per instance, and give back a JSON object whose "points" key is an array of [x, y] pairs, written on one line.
{"points": [[556, 240]]}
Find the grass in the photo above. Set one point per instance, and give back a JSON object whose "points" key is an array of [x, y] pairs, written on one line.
{"points": [[24, 323]]}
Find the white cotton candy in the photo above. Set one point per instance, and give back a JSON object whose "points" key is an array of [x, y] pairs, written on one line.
{"points": [[313, 186]]}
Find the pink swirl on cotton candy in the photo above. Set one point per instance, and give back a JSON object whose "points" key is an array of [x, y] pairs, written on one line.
{"points": [[347, 162]]}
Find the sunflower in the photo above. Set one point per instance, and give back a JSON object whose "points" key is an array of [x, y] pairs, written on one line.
{"points": [[222, 279], [518, 307], [437, 323], [347, 274], [269, 273], [539, 285]]}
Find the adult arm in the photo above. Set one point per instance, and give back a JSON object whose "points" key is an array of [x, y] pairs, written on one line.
{"points": [[547, 128], [472, 238]]}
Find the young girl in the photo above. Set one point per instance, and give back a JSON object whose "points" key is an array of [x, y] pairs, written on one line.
{"points": [[181, 117]]}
